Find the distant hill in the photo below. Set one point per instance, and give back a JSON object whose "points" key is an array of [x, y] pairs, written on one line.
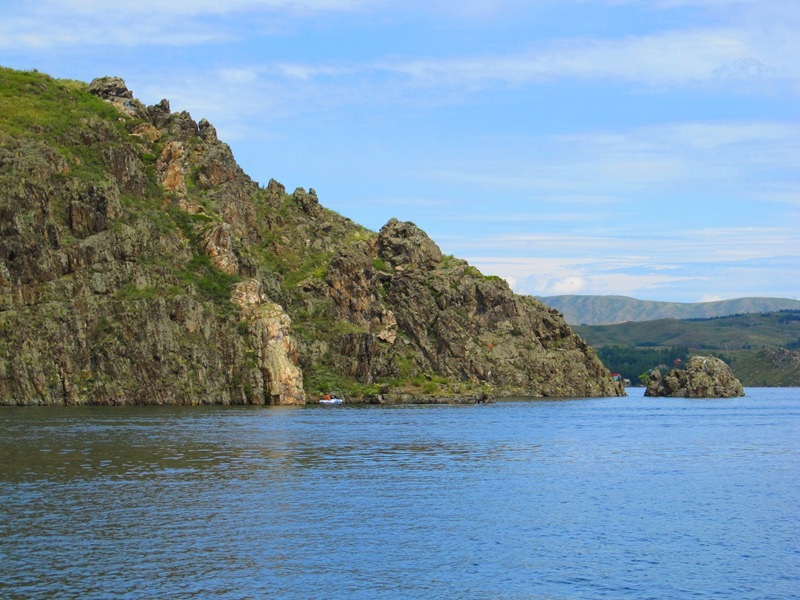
{"points": [[736, 332], [599, 310], [761, 348]]}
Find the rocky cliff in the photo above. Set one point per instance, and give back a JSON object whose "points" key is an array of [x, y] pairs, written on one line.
{"points": [[139, 264], [703, 377]]}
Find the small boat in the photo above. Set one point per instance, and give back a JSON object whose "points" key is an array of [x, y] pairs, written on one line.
{"points": [[331, 400]]}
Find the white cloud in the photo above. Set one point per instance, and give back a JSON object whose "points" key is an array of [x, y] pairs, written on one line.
{"points": [[157, 8], [666, 4], [63, 30], [48, 24], [308, 72], [551, 277], [711, 55], [743, 69], [639, 265], [677, 57], [572, 284], [639, 248], [238, 75], [713, 136], [744, 158]]}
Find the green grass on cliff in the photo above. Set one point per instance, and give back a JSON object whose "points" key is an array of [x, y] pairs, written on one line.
{"points": [[51, 110], [64, 116]]}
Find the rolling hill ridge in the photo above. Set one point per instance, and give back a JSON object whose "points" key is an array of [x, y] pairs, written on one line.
{"points": [[601, 310], [735, 332]]}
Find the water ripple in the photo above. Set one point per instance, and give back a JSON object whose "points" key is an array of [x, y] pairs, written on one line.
{"points": [[609, 498]]}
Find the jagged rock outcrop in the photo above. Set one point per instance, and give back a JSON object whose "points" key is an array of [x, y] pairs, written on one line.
{"points": [[404, 245], [114, 90], [432, 314], [170, 168], [703, 377], [139, 264]]}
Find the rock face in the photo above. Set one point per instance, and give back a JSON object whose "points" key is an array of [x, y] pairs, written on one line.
{"points": [[452, 322], [703, 377], [139, 264], [276, 351]]}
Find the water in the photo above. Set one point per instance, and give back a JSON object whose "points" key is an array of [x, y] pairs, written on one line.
{"points": [[608, 498]]}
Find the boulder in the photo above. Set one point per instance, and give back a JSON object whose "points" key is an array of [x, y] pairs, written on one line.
{"points": [[109, 88], [703, 377], [419, 313], [308, 202], [114, 90], [405, 245]]}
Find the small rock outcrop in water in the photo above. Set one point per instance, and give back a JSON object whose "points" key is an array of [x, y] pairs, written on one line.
{"points": [[139, 264], [703, 377]]}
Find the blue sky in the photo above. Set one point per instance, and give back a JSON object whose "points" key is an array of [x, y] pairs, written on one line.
{"points": [[643, 148]]}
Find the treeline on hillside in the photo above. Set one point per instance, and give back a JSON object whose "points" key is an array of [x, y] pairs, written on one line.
{"points": [[636, 363]]}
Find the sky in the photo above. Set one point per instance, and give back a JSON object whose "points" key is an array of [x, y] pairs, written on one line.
{"points": [[629, 147]]}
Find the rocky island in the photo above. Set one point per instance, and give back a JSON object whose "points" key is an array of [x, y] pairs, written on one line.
{"points": [[140, 265], [703, 377]]}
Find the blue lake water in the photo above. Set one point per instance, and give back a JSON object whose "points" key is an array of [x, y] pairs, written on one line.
{"points": [[602, 498]]}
